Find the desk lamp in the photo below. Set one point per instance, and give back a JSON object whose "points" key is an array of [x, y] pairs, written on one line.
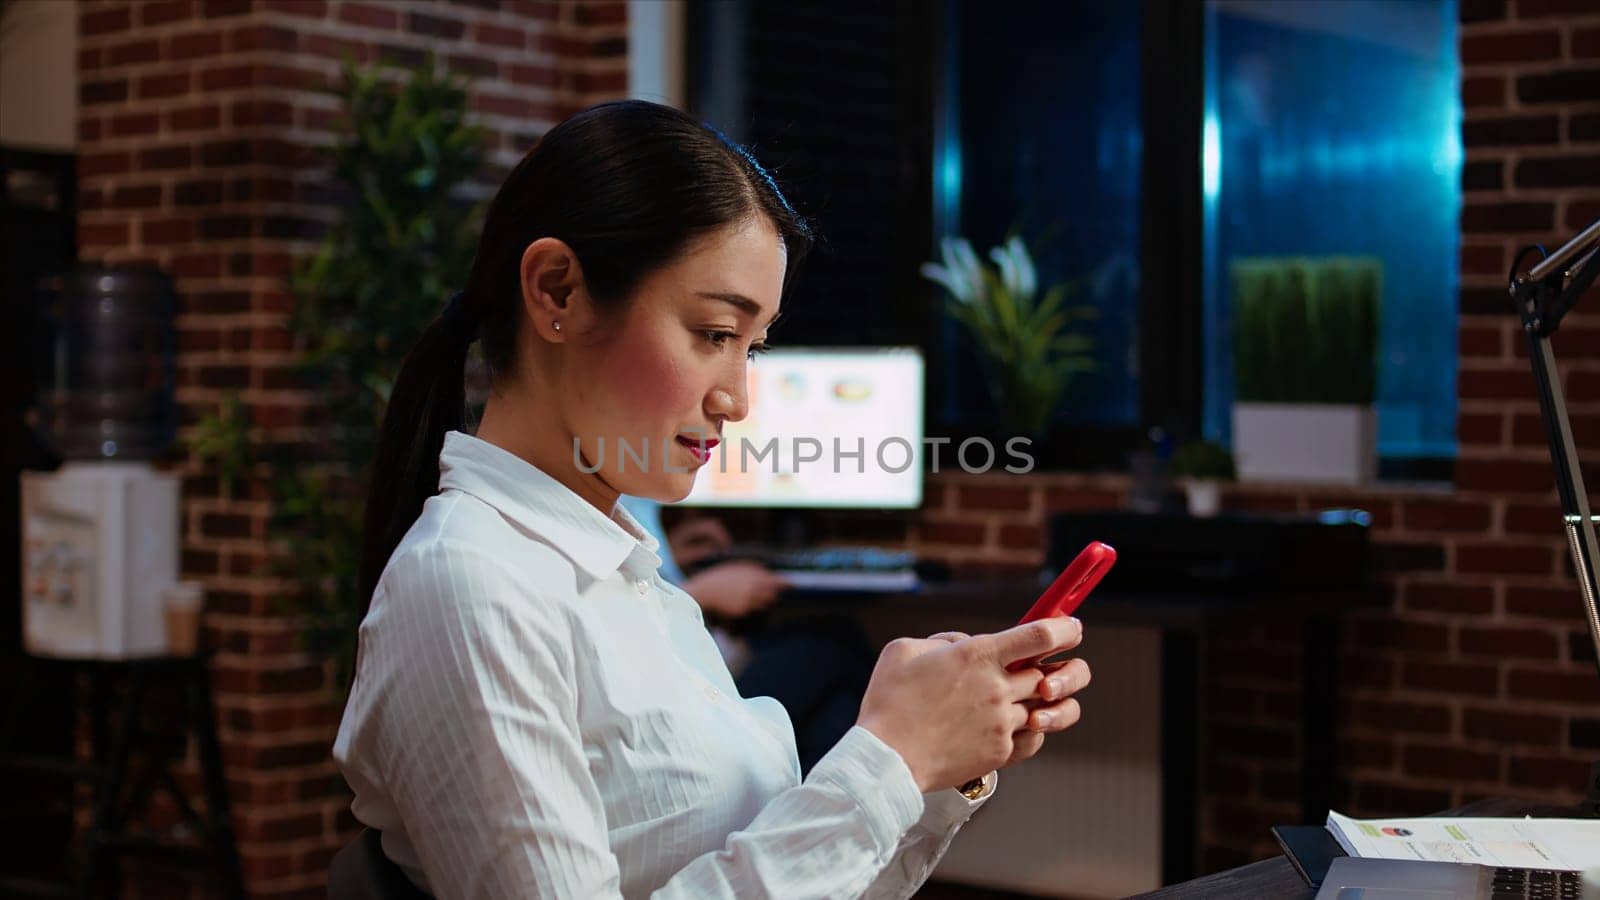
{"points": [[1543, 295]]}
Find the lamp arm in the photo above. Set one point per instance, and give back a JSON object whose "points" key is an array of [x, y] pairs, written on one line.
{"points": [[1543, 296]]}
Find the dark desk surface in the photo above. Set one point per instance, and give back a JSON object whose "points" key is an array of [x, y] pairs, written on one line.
{"points": [[1277, 878]]}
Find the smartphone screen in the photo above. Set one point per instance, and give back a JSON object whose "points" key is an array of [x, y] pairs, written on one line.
{"points": [[1070, 589]]}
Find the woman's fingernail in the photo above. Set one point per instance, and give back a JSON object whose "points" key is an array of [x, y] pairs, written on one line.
{"points": [[1044, 720], [1055, 687]]}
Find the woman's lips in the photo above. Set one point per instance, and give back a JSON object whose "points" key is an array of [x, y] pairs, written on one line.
{"points": [[700, 448]]}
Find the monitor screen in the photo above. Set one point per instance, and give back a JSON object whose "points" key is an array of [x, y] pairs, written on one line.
{"points": [[827, 427]]}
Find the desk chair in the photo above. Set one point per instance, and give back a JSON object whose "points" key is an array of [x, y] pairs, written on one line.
{"points": [[361, 872]]}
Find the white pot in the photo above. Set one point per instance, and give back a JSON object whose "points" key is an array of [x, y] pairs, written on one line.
{"points": [[1326, 443], [1205, 497]]}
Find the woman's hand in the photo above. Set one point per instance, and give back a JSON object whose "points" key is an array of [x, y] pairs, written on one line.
{"points": [[1054, 701], [734, 589], [947, 705]]}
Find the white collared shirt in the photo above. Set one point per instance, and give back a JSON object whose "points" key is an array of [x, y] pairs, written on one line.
{"points": [[536, 713]]}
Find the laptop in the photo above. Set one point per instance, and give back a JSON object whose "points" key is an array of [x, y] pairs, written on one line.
{"points": [[1322, 863], [1351, 878]]}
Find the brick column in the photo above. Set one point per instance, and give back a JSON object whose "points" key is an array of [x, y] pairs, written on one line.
{"points": [[196, 132]]}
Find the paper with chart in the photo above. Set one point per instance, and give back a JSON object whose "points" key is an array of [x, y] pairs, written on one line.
{"points": [[1572, 844]]}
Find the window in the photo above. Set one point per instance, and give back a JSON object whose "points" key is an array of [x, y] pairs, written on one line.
{"points": [[1068, 120], [831, 95], [1332, 129], [1047, 138], [1140, 147]]}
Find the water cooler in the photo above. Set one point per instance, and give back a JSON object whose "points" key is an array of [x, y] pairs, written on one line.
{"points": [[100, 549], [100, 534]]}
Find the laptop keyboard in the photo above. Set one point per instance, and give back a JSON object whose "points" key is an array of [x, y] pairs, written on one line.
{"points": [[1541, 884]]}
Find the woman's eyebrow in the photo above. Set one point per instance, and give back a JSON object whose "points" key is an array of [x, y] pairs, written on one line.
{"points": [[745, 303]]}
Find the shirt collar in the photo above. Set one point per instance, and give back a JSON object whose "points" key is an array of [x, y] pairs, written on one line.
{"points": [[519, 490]]}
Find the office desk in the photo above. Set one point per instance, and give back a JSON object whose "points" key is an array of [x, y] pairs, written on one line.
{"points": [[1277, 878], [1182, 617]]}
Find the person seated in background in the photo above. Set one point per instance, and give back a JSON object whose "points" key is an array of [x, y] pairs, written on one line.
{"points": [[817, 668]]}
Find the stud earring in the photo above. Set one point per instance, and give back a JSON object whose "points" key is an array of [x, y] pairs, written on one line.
{"points": [[556, 325]]}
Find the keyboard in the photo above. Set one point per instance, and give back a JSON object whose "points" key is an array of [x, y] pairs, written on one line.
{"points": [[1540, 884], [842, 559], [852, 582], [854, 570], [834, 569]]}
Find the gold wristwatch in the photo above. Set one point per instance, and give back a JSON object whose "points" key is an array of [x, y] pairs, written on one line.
{"points": [[973, 789]]}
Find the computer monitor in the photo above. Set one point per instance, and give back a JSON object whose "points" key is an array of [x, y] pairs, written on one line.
{"points": [[827, 427]]}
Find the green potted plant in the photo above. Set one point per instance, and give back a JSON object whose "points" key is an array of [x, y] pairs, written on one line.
{"points": [[1025, 339], [403, 239], [1305, 350], [1203, 466]]}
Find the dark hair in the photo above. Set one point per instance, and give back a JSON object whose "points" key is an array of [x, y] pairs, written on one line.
{"points": [[628, 186]]}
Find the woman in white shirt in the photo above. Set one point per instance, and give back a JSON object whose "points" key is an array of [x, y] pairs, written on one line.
{"points": [[535, 712]]}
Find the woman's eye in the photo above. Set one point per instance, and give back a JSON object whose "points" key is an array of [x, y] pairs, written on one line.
{"points": [[719, 338]]}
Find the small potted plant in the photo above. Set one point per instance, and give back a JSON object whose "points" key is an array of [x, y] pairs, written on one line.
{"points": [[1203, 466], [1305, 352]]}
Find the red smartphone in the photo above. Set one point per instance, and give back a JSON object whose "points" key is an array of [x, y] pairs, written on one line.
{"points": [[1069, 590]]}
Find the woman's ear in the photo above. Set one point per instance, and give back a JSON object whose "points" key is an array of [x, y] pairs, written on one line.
{"points": [[553, 289]]}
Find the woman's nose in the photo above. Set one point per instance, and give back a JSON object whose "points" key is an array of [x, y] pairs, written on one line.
{"points": [[728, 404]]}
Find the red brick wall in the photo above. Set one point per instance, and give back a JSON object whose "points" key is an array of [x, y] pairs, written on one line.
{"points": [[196, 126], [1478, 678]]}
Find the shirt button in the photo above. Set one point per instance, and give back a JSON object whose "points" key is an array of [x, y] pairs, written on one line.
{"points": [[643, 587], [713, 693]]}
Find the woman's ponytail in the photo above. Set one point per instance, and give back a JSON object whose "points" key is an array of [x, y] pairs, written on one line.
{"points": [[428, 399]]}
